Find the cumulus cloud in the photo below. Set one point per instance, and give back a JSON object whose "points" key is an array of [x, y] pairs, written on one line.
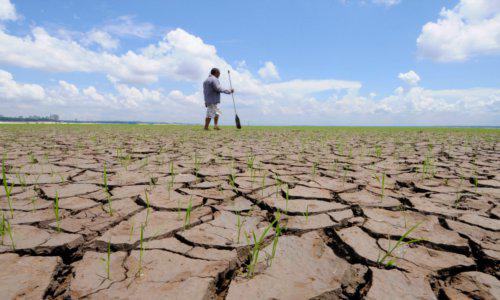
{"points": [[274, 104], [411, 78], [11, 90], [7, 11], [101, 38], [269, 71], [179, 56], [386, 2], [127, 26], [469, 29]]}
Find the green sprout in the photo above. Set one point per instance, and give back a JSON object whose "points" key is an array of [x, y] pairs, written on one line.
{"points": [[232, 179], [314, 168], [276, 236], [32, 158], [106, 189], [187, 217], [147, 207], [131, 231], [378, 151], [250, 161], [306, 214], [107, 261], [7, 188], [256, 249], [239, 224], [381, 180], [400, 243], [3, 227], [11, 234], [56, 213], [141, 250]]}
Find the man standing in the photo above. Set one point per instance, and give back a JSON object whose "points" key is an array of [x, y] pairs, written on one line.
{"points": [[211, 91]]}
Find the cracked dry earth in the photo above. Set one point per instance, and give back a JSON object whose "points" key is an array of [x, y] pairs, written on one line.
{"points": [[183, 211]]}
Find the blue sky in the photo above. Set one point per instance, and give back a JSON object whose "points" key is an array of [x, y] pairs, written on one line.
{"points": [[322, 62]]}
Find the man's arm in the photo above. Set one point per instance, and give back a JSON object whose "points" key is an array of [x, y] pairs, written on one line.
{"points": [[216, 85]]}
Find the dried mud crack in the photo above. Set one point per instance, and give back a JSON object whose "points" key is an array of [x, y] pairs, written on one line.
{"points": [[129, 212]]}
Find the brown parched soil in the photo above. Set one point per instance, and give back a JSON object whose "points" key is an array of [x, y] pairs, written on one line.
{"points": [[173, 212]]}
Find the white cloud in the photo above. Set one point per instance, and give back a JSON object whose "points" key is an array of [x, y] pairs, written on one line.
{"points": [[269, 71], [11, 90], [470, 29], [277, 102], [70, 89], [127, 26], [101, 38], [411, 78], [179, 56], [386, 2], [7, 11]]}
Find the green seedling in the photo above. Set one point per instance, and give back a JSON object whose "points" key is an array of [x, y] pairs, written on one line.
{"points": [[107, 261], [276, 236], [187, 217], [11, 234], [239, 224], [7, 188], [172, 174], [277, 183], [263, 182], [250, 161], [378, 151], [256, 249], [197, 163], [21, 179], [3, 227], [131, 231], [32, 158], [400, 243], [381, 180], [106, 189], [252, 175], [306, 214], [141, 251], [147, 207], [56, 213], [232, 179], [315, 168]]}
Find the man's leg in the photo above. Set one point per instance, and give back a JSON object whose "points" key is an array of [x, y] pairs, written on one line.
{"points": [[216, 122], [207, 122]]}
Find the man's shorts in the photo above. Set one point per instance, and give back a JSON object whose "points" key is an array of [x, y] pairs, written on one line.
{"points": [[212, 111]]}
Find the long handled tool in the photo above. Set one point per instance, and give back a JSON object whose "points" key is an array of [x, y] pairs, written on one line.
{"points": [[237, 119]]}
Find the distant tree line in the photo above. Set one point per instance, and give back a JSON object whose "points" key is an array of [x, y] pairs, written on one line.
{"points": [[34, 118]]}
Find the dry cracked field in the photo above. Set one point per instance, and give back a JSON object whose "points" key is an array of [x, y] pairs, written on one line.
{"points": [[172, 212]]}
